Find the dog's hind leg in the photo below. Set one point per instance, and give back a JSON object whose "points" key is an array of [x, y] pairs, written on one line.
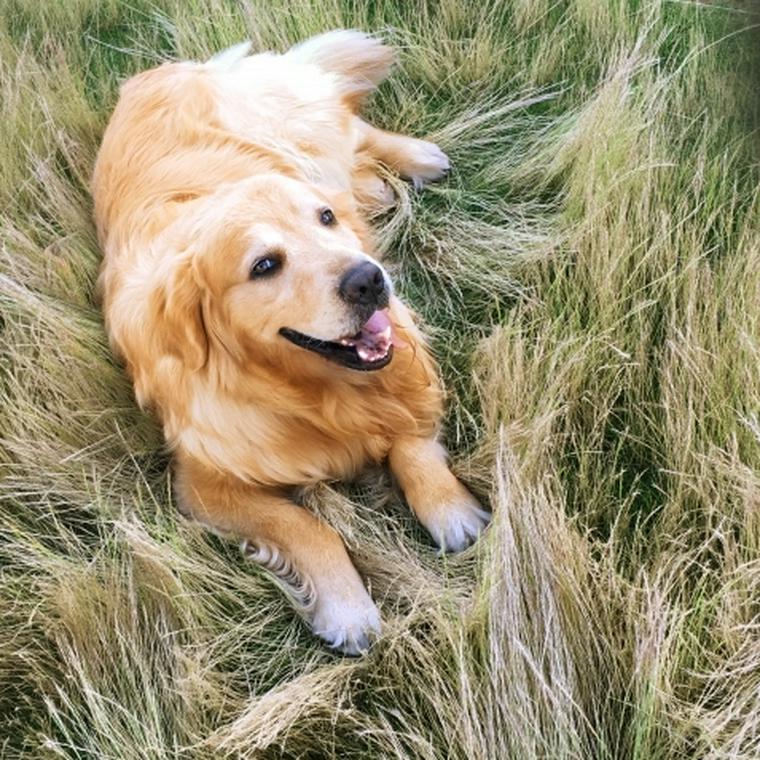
{"points": [[305, 554], [358, 63], [417, 160]]}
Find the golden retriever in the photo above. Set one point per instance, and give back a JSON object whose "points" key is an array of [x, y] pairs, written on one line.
{"points": [[240, 287]]}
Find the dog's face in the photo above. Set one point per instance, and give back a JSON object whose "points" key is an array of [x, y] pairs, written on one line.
{"points": [[283, 270]]}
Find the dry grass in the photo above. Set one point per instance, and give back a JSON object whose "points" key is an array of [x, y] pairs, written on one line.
{"points": [[589, 277]]}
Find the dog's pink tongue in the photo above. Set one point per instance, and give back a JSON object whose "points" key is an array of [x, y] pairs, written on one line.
{"points": [[379, 322], [379, 330]]}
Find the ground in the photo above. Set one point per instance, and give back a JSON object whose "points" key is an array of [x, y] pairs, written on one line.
{"points": [[588, 277]]}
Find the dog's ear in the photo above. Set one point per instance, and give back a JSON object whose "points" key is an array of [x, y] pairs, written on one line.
{"points": [[156, 325], [178, 314]]}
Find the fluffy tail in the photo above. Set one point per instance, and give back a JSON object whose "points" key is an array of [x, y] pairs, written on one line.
{"points": [[229, 57], [360, 61]]}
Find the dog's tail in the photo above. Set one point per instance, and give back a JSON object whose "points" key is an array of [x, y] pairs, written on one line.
{"points": [[229, 57], [360, 61]]}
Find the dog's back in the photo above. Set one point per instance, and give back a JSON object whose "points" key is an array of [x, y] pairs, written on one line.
{"points": [[181, 130]]}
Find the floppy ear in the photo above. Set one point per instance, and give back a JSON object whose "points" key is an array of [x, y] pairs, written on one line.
{"points": [[155, 323], [178, 314]]}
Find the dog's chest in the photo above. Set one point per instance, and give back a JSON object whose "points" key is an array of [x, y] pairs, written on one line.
{"points": [[313, 454], [273, 447]]}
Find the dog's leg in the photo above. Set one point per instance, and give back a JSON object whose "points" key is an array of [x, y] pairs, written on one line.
{"points": [[418, 160], [303, 552], [451, 514]]}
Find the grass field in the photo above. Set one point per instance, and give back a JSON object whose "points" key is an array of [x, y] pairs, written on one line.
{"points": [[589, 278]]}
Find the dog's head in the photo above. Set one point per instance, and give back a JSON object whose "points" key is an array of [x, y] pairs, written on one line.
{"points": [[274, 267]]}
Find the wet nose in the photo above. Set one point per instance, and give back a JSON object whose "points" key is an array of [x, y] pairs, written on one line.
{"points": [[364, 285]]}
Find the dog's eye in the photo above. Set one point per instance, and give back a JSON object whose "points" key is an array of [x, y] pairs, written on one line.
{"points": [[266, 265], [327, 217]]}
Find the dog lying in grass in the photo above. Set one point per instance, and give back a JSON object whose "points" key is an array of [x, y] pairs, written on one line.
{"points": [[240, 288]]}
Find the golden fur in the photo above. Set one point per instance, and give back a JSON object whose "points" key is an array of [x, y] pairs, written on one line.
{"points": [[204, 168]]}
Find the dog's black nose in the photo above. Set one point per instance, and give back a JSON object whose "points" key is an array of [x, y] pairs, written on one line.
{"points": [[364, 285]]}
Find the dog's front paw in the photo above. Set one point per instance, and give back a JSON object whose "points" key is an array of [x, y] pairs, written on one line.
{"points": [[426, 162], [347, 621], [456, 525]]}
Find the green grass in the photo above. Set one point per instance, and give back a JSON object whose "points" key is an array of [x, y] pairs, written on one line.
{"points": [[589, 277]]}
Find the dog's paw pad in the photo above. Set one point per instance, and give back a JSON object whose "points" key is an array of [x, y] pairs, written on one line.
{"points": [[348, 625], [458, 525], [426, 163]]}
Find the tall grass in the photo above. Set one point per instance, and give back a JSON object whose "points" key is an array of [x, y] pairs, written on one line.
{"points": [[588, 275]]}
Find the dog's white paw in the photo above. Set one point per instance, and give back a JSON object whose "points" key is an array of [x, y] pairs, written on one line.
{"points": [[426, 162], [457, 525], [348, 622]]}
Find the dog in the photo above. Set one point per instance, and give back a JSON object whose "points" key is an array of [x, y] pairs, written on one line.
{"points": [[240, 288]]}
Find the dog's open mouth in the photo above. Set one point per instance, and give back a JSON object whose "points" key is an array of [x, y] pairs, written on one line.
{"points": [[369, 349]]}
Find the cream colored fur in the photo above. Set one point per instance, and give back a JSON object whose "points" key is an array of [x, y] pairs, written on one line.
{"points": [[204, 169]]}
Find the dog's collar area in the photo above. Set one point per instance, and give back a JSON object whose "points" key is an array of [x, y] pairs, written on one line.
{"points": [[344, 353]]}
